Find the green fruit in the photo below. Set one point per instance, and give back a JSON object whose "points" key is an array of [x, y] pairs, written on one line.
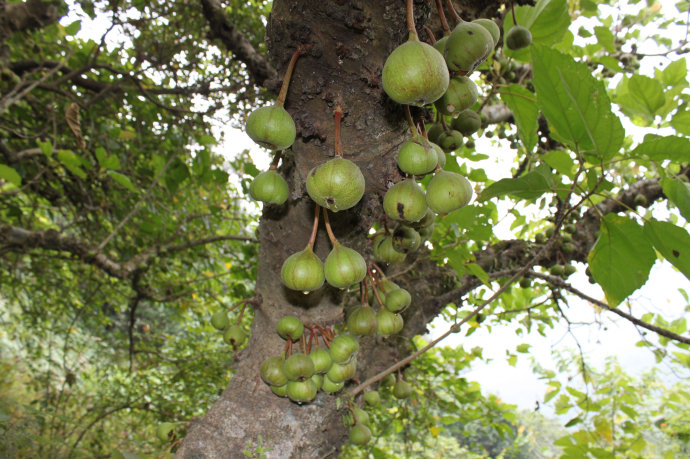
{"points": [[273, 371], [568, 248], [388, 285], [302, 271], [360, 434], [402, 389], [568, 270], [220, 320], [362, 321], [397, 300], [525, 282], [344, 267], [234, 335], [343, 347], [433, 131], [361, 416], [415, 74], [384, 250], [540, 238], [640, 200], [298, 367], [426, 221], [406, 239], [549, 231], [322, 360], [405, 201], [448, 191], [290, 327], [301, 391], [269, 187], [336, 185], [440, 155], [417, 157], [317, 379], [557, 270], [388, 380], [165, 431], [569, 228], [387, 322], [468, 122], [462, 93], [271, 127], [491, 27], [330, 386], [440, 45], [426, 232], [372, 398], [280, 391], [468, 46], [518, 37], [451, 140], [340, 372]]}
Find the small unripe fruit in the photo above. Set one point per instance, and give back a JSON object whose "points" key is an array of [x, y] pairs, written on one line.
{"points": [[336, 185], [280, 391], [301, 391], [344, 267], [568, 270], [557, 270], [491, 27], [417, 157], [361, 416], [402, 389], [387, 322], [342, 348], [165, 431], [340, 372], [451, 140], [302, 271], [290, 327], [518, 37], [360, 434], [271, 127], [568, 248], [234, 335], [330, 386], [273, 371], [468, 122], [299, 367], [405, 201], [397, 300], [540, 238], [640, 200], [220, 320], [322, 360], [269, 187], [372, 398], [406, 239], [384, 250], [448, 191], [462, 93], [468, 46], [362, 320]]}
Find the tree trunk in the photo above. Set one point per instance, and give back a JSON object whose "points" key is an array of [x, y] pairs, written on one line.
{"points": [[350, 41]]}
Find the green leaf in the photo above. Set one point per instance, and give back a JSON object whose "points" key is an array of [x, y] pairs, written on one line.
{"points": [[660, 148], [678, 192], [73, 28], [523, 348], [46, 148], [675, 73], [122, 180], [605, 38], [11, 175], [575, 104], [529, 186], [479, 272], [641, 95], [561, 161], [71, 162], [547, 21], [621, 258], [672, 242], [523, 104], [681, 122]]}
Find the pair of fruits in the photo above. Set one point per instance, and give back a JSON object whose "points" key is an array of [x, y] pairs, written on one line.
{"points": [[233, 334]]}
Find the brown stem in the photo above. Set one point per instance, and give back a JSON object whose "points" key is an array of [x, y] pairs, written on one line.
{"points": [[442, 17], [410, 21], [286, 79], [410, 121], [338, 116], [430, 33], [512, 9], [453, 13], [276, 159], [312, 238], [331, 236]]}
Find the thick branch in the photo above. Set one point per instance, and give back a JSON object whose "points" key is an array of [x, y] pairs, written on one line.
{"points": [[258, 67]]}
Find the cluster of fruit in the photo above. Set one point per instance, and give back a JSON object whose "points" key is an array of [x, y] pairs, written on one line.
{"points": [[233, 333]]}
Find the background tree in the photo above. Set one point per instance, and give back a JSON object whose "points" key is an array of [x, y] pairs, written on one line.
{"points": [[121, 232]]}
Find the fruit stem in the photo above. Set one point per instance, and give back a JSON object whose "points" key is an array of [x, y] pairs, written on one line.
{"points": [[410, 21], [327, 222], [338, 110], [244, 306], [512, 9], [286, 79], [312, 238], [453, 13], [442, 17], [410, 121], [363, 292], [276, 159], [430, 33]]}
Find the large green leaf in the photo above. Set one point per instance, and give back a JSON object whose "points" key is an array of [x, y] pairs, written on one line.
{"points": [[679, 194], [675, 73], [529, 186], [672, 242], [621, 258], [681, 122], [8, 173], [640, 96], [575, 104], [523, 104], [661, 148], [547, 21]]}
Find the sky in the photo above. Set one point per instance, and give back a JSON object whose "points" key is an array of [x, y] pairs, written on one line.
{"points": [[609, 336]]}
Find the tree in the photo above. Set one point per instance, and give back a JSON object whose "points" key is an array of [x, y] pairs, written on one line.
{"points": [[117, 213]]}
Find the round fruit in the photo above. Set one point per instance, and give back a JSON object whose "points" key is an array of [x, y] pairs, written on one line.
{"points": [[361, 416], [330, 386], [302, 271], [569, 228], [220, 320], [549, 231], [298, 367], [569, 269], [336, 185], [440, 155], [518, 37], [448, 191], [269, 187], [402, 389], [433, 131], [468, 46], [440, 45], [640, 200], [301, 391], [362, 321], [360, 434], [415, 74], [557, 270], [451, 140], [290, 327], [468, 122], [322, 360], [568, 248], [372, 398], [387, 322], [406, 239], [417, 157], [317, 379], [425, 232], [340, 372], [271, 127], [384, 250], [342, 348], [165, 431], [280, 391], [491, 27], [540, 238], [427, 220], [273, 371], [525, 282], [344, 267], [234, 335], [462, 93], [397, 300], [405, 201]]}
